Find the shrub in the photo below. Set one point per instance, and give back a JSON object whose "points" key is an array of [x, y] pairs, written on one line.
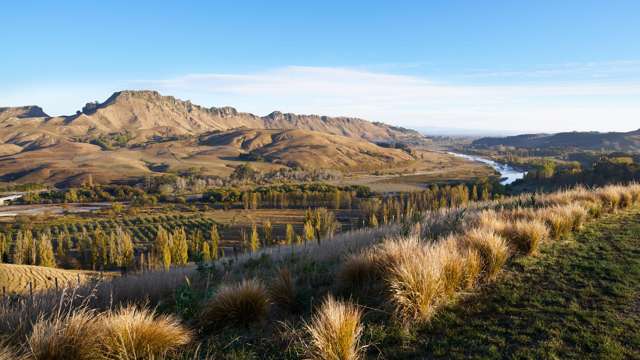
{"points": [[137, 333], [73, 335], [526, 235], [239, 304], [335, 332], [492, 248]]}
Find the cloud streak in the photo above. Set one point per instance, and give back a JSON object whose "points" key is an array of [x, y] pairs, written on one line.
{"points": [[416, 101]]}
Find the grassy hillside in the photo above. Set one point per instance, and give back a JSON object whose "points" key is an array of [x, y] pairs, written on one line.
{"points": [[578, 299]]}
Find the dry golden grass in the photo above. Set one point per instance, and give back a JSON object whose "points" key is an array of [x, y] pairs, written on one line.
{"points": [[415, 285], [240, 304], [491, 247], [282, 291], [359, 272], [74, 335], [137, 333], [525, 235], [559, 221], [8, 353], [609, 197], [125, 334], [453, 265], [335, 331], [489, 220], [472, 268]]}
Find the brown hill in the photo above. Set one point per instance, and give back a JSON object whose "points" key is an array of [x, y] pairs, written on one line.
{"points": [[307, 149], [145, 114], [71, 163], [134, 133]]}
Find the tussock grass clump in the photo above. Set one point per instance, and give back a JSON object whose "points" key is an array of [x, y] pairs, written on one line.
{"points": [[73, 335], [137, 333], [472, 268], [241, 304], [453, 265], [415, 285], [609, 197], [282, 291], [360, 273], [335, 332], [7, 353], [578, 215], [558, 219], [526, 235], [634, 190], [491, 247], [490, 221], [519, 213]]}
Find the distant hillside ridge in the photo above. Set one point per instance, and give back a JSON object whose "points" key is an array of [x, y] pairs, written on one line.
{"points": [[609, 141], [21, 112], [146, 114]]}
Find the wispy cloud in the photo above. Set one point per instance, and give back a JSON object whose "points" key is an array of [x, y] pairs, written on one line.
{"points": [[561, 102], [417, 101], [626, 69]]}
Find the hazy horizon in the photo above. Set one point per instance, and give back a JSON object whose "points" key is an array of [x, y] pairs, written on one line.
{"points": [[482, 67]]}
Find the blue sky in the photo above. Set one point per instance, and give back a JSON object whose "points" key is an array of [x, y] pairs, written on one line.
{"points": [[491, 65]]}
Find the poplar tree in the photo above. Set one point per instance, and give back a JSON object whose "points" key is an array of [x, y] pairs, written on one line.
{"points": [[267, 230], [290, 234], [373, 221], [45, 255], [309, 231], [205, 254], [254, 242], [215, 242], [180, 251], [161, 248], [4, 246]]}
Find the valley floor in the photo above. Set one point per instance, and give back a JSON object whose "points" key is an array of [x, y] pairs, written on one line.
{"points": [[578, 299]]}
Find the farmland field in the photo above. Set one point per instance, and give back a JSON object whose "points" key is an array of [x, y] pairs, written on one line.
{"points": [[16, 278]]}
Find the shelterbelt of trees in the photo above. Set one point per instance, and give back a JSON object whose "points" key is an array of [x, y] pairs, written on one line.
{"points": [[125, 241]]}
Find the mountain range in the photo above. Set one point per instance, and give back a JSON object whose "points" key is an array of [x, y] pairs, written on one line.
{"points": [[133, 132], [608, 141]]}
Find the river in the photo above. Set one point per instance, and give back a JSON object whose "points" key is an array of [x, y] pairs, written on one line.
{"points": [[508, 174]]}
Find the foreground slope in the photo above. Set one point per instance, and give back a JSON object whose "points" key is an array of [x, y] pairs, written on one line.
{"points": [[577, 299]]}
